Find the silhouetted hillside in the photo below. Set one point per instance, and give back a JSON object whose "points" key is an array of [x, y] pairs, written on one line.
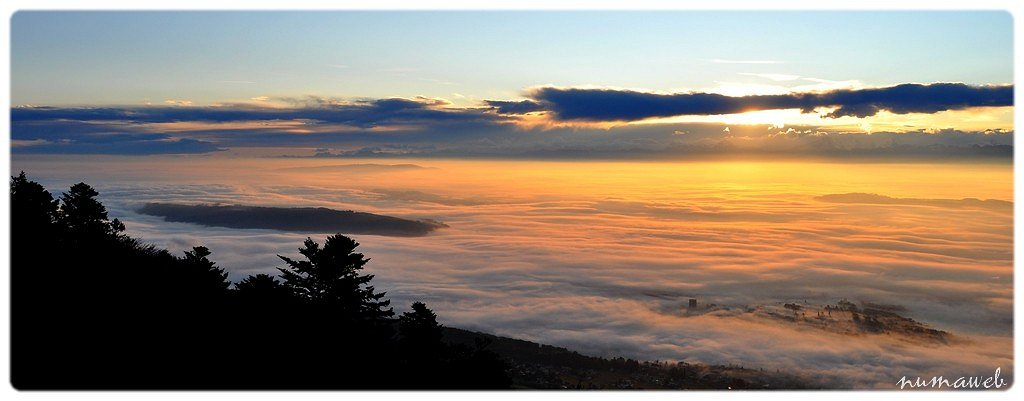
{"points": [[93, 308], [540, 366]]}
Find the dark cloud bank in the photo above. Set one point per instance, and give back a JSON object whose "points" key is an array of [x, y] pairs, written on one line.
{"points": [[422, 127], [303, 220], [625, 105]]}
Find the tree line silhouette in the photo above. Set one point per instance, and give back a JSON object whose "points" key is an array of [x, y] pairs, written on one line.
{"points": [[93, 308]]}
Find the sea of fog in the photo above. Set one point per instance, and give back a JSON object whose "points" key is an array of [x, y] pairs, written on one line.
{"points": [[602, 257]]}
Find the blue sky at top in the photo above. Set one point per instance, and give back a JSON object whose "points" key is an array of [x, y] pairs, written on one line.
{"points": [[129, 58]]}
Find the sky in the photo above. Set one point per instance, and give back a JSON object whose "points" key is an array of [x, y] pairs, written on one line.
{"points": [[126, 58], [505, 83]]}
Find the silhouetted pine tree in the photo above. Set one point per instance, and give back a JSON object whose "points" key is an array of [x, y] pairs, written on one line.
{"points": [[85, 217], [330, 277], [36, 209], [201, 276], [261, 286], [418, 329]]}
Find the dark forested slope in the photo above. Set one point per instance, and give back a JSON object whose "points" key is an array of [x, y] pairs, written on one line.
{"points": [[93, 308]]}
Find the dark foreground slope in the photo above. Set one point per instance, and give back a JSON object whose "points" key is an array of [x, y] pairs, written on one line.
{"points": [[541, 366], [92, 308]]}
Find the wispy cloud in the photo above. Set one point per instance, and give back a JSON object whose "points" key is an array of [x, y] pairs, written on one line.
{"points": [[20, 143], [400, 70], [727, 61], [175, 102], [773, 77], [438, 81]]}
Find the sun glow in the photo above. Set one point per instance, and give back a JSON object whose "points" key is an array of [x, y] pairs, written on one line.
{"points": [[974, 119]]}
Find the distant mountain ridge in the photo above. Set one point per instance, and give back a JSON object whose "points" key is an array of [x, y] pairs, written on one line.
{"points": [[301, 219]]}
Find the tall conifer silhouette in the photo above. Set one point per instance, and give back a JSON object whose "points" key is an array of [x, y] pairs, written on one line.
{"points": [[330, 277]]}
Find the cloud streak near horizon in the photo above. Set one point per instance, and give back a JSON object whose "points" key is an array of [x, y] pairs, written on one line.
{"points": [[359, 113]]}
